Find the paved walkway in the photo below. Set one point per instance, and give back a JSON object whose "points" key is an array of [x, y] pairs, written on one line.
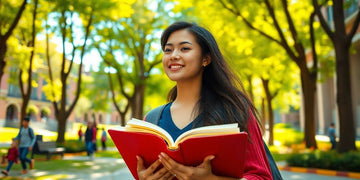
{"points": [[100, 171], [124, 174]]}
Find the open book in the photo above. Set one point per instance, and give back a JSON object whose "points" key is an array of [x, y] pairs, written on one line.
{"points": [[148, 140]]}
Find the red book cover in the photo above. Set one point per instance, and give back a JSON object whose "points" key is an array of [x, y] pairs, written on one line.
{"points": [[228, 149]]}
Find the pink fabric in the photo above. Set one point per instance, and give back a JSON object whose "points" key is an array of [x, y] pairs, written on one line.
{"points": [[94, 134], [256, 163], [13, 154]]}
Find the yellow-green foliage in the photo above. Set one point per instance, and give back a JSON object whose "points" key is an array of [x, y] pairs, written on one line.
{"points": [[287, 135], [6, 134]]}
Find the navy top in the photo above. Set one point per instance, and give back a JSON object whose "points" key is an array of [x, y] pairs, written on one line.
{"points": [[167, 123]]}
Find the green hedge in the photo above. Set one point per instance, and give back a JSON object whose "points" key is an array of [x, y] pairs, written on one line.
{"points": [[72, 146], [333, 160]]}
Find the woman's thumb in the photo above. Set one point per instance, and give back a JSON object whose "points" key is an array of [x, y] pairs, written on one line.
{"points": [[207, 161], [140, 163]]}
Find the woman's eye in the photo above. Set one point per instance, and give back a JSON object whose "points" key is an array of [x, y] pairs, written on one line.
{"points": [[185, 48], [167, 50]]}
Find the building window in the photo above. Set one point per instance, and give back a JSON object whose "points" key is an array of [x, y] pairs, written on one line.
{"points": [[11, 113], [14, 91]]}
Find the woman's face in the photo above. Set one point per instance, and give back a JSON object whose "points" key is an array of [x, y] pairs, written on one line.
{"points": [[182, 60]]}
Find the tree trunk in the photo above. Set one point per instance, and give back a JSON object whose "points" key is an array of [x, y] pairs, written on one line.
{"points": [[343, 97], [5, 37], [269, 110], [308, 86], [250, 89], [263, 116], [61, 127], [3, 49], [26, 94], [23, 110], [122, 120], [342, 43], [138, 101]]}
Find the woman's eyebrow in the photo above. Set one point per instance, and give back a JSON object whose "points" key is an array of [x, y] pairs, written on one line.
{"points": [[181, 43]]}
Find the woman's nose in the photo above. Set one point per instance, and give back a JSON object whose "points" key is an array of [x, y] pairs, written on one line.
{"points": [[175, 55]]}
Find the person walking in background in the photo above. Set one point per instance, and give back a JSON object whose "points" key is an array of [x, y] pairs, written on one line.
{"points": [[27, 140], [90, 140], [12, 157], [103, 139], [80, 133], [95, 137], [332, 136]]}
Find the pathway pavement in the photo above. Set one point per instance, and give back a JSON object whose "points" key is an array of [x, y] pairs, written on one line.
{"points": [[99, 173], [124, 174]]}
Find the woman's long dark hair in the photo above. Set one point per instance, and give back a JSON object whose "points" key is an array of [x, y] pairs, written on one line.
{"points": [[223, 99]]}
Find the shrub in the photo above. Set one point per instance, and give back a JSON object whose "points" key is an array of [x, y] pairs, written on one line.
{"points": [[287, 135], [349, 161], [72, 146]]}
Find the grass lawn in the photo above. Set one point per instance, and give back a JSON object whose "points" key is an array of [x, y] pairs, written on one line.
{"points": [[57, 168], [111, 154]]}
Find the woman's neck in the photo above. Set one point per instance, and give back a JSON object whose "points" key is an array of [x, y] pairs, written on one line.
{"points": [[188, 93]]}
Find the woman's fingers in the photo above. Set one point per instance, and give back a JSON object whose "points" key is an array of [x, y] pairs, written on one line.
{"points": [[185, 172], [176, 169], [140, 164], [144, 173], [167, 175]]}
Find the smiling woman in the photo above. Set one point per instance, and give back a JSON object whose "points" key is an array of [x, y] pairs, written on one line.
{"points": [[207, 93]]}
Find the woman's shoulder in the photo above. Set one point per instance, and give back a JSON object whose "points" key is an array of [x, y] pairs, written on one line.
{"points": [[155, 114]]}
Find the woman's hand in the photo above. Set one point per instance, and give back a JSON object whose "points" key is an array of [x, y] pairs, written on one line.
{"points": [[203, 171], [149, 173]]}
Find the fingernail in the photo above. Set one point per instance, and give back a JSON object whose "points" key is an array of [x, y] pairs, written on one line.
{"points": [[162, 154], [137, 157], [211, 158]]}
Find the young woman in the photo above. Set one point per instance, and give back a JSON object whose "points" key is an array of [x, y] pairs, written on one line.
{"points": [[206, 93]]}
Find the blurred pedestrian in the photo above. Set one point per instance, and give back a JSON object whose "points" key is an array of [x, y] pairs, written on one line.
{"points": [[103, 139], [90, 140], [80, 133], [12, 157], [27, 140], [332, 136]]}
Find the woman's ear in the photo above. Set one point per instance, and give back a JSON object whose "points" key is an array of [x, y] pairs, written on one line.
{"points": [[206, 60]]}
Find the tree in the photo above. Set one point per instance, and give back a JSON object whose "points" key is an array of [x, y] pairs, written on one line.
{"points": [[25, 89], [289, 38], [5, 22], [126, 47], [68, 14], [342, 40]]}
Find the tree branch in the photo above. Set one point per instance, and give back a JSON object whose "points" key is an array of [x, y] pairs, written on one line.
{"points": [[322, 20], [50, 68], [282, 43], [78, 86], [113, 93], [281, 34], [237, 13], [74, 47], [298, 46], [312, 41], [16, 20]]}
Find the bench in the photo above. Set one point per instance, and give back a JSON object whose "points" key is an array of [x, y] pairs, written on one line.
{"points": [[48, 148]]}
